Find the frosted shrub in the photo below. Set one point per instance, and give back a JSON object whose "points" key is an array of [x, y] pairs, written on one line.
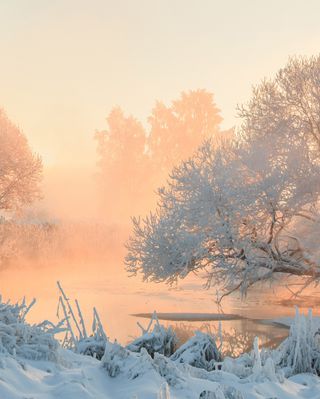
{"points": [[199, 351], [270, 371], [95, 344], [114, 359], [158, 340], [118, 360], [300, 352], [169, 371], [263, 366], [257, 366], [17, 337], [92, 347], [241, 366]]}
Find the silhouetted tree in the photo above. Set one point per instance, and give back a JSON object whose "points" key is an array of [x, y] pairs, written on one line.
{"points": [[176, 131], [123, 164], [133, 161]]}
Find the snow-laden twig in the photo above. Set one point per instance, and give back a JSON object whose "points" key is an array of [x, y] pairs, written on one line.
{"points": [[28, 308], [69, 327], [97, 327], [70, 310], [81, 319]]}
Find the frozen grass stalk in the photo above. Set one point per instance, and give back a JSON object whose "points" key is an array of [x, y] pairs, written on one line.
{"points": [[70, 309]]}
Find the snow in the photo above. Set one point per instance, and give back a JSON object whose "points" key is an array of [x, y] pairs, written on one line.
{"points": [[82, 377], [199, 351], [33, 365]]}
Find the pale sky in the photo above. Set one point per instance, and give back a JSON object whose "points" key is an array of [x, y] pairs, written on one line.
{"points": [[66, 63]]}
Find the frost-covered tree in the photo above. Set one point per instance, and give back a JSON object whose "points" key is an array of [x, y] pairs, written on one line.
{"points": [[233, 210], [287, 107], [231, 215], [20, 168]]}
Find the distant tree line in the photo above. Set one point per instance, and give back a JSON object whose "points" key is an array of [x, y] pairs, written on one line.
{"points": [[134, 160]]}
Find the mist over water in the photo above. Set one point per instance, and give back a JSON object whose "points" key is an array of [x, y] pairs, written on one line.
{"points": [[65, 239], [76, 233], [96, 276]]}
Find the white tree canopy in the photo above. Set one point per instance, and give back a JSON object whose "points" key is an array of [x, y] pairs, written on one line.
{"points": [[231, 209]]}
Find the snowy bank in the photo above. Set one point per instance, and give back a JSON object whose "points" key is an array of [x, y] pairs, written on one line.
{"points": [[34, 365], [82, 377]]}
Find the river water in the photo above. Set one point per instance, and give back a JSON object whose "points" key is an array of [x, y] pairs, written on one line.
{"points": [[117, 297]]}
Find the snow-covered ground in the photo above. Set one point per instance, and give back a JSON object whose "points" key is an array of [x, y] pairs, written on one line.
{"points": [[34, 365], [82, 377]]}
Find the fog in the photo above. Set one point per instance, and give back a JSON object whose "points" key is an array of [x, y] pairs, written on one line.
{"points": [[111, 96], [76, 231]]}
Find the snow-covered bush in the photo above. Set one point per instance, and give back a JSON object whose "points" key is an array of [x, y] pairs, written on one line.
{"points": [[114, 359], [17, 337], [168, 370], [263, 366], [119, 360], [300, 352], [199, 351], [159, 339], [91, 347], [95, 344], [255, 366], [241, 366]]}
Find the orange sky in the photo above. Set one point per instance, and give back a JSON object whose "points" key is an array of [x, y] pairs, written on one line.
{"points": [[65, 64]]}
